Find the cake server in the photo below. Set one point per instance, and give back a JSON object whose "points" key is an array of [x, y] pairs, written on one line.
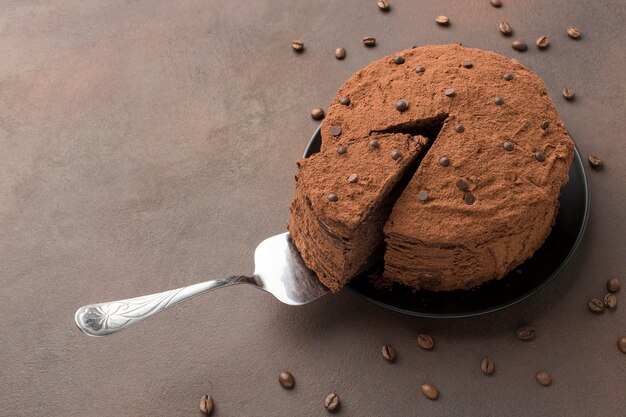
{"points": [[278, 270]]}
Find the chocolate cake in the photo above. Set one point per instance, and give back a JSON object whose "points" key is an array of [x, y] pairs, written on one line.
{"points": [[480, 201]]}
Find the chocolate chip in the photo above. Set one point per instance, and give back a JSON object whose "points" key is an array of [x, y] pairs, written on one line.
{"points": [[369, 41], [425, 341], [496, 3], [469, 198], [384, 5], [508, 76], [613, 285], [462, 184], [595, 305], [402, 105], [467, 64], [508, 145], [333, 198], [539, 156], [331, 402], [542, 42], [444, 161], [420, 69], [450, 92], [336, 130], [341, 150], [568, 93], [395, 155], [297, 46], [422, 195], [459, 128], [352, 178], [340, 53], [286, 380], [389, 353], [545, 124], [573, 32], [498, 100], [398, 60], [595, 161], [317, 113], [345, 101], [430, 391], [442, 20], [519, 46], [505, 28], [543, 378], [610, 300], [526, 333], [374, 144]]}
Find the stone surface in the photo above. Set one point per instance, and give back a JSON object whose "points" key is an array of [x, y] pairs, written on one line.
{"points": [[146, 146]]}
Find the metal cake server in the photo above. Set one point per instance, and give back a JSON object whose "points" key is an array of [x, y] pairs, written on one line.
{"points": [[279, 270]]}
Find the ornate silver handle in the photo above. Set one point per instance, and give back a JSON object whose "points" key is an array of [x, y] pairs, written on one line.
{"points": [[105, 318]]}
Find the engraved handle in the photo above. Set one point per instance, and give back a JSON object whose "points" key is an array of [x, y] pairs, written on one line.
{"points": [[105, 318]]}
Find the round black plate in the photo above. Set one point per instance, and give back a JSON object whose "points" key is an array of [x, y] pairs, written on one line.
{"points": [[495, 295]]}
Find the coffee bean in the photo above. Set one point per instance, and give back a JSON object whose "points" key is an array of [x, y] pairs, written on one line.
{"points": [[369, 41], [398, 60], [442, 20], [505, 28], [342, 150], [573, 32], [384, 5], [469, 199], [508, 146], [402, 105], [297, 46], [498, 100], [340, 53], [389, 353], [459, 128], [462, 184], [374, 144], [285, 379], [568, 93], [542, 42], [352, 178], [610, 300], [467, 64], [545, 124], [333, 198], [430, 391], [496, 3], [395, 155], [519, 46], [539, 156], [206, 405], [450, 92], [336, 130], [508, 76], [621, 344], [487, 366], [331, 402], [543, 378], [420, 69], [526, 333], [595, 161], [423, 196], [596, 306], [613, 285], [425, 341], [317, 113], [444, 161]]}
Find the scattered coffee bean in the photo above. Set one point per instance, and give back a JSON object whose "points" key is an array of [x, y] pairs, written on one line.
{"points": [[596, 306], [505, 28], [430, 391], [459, 128], [545, 124], [496, 3], [508, 76], [573, 32], [398, 60], [206, 405], [621, 344], [613, 285], [519, 46], [469, 198], [340, 53], [374, 144], [345, 101], [543, 378], [333, 198], [297, 46], [402, 105], [568, 93], [444, 161], [508, 146], [389, 353], [539, 156], [331, 402], [542, 42], [498, 100], [487, 366], [450, 92], [369, 41], [352, 178], [442, 20], [462, 184], [395, 155], [425, 341], [595, 161], [342, 150], [317, 113], [467, 64], [423, 196], [285, 379], [384, 5], [610, 300], [420, 69], [526, 333], [336, 130]]}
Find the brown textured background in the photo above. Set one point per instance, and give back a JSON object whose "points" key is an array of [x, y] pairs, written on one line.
{"points": [[149, 145]]}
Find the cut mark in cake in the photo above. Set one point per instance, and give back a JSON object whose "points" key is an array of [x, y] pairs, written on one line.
{"points": [[428, 127]]}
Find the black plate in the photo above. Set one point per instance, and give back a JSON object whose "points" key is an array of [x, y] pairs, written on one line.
{"points": [[495, 295]]}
